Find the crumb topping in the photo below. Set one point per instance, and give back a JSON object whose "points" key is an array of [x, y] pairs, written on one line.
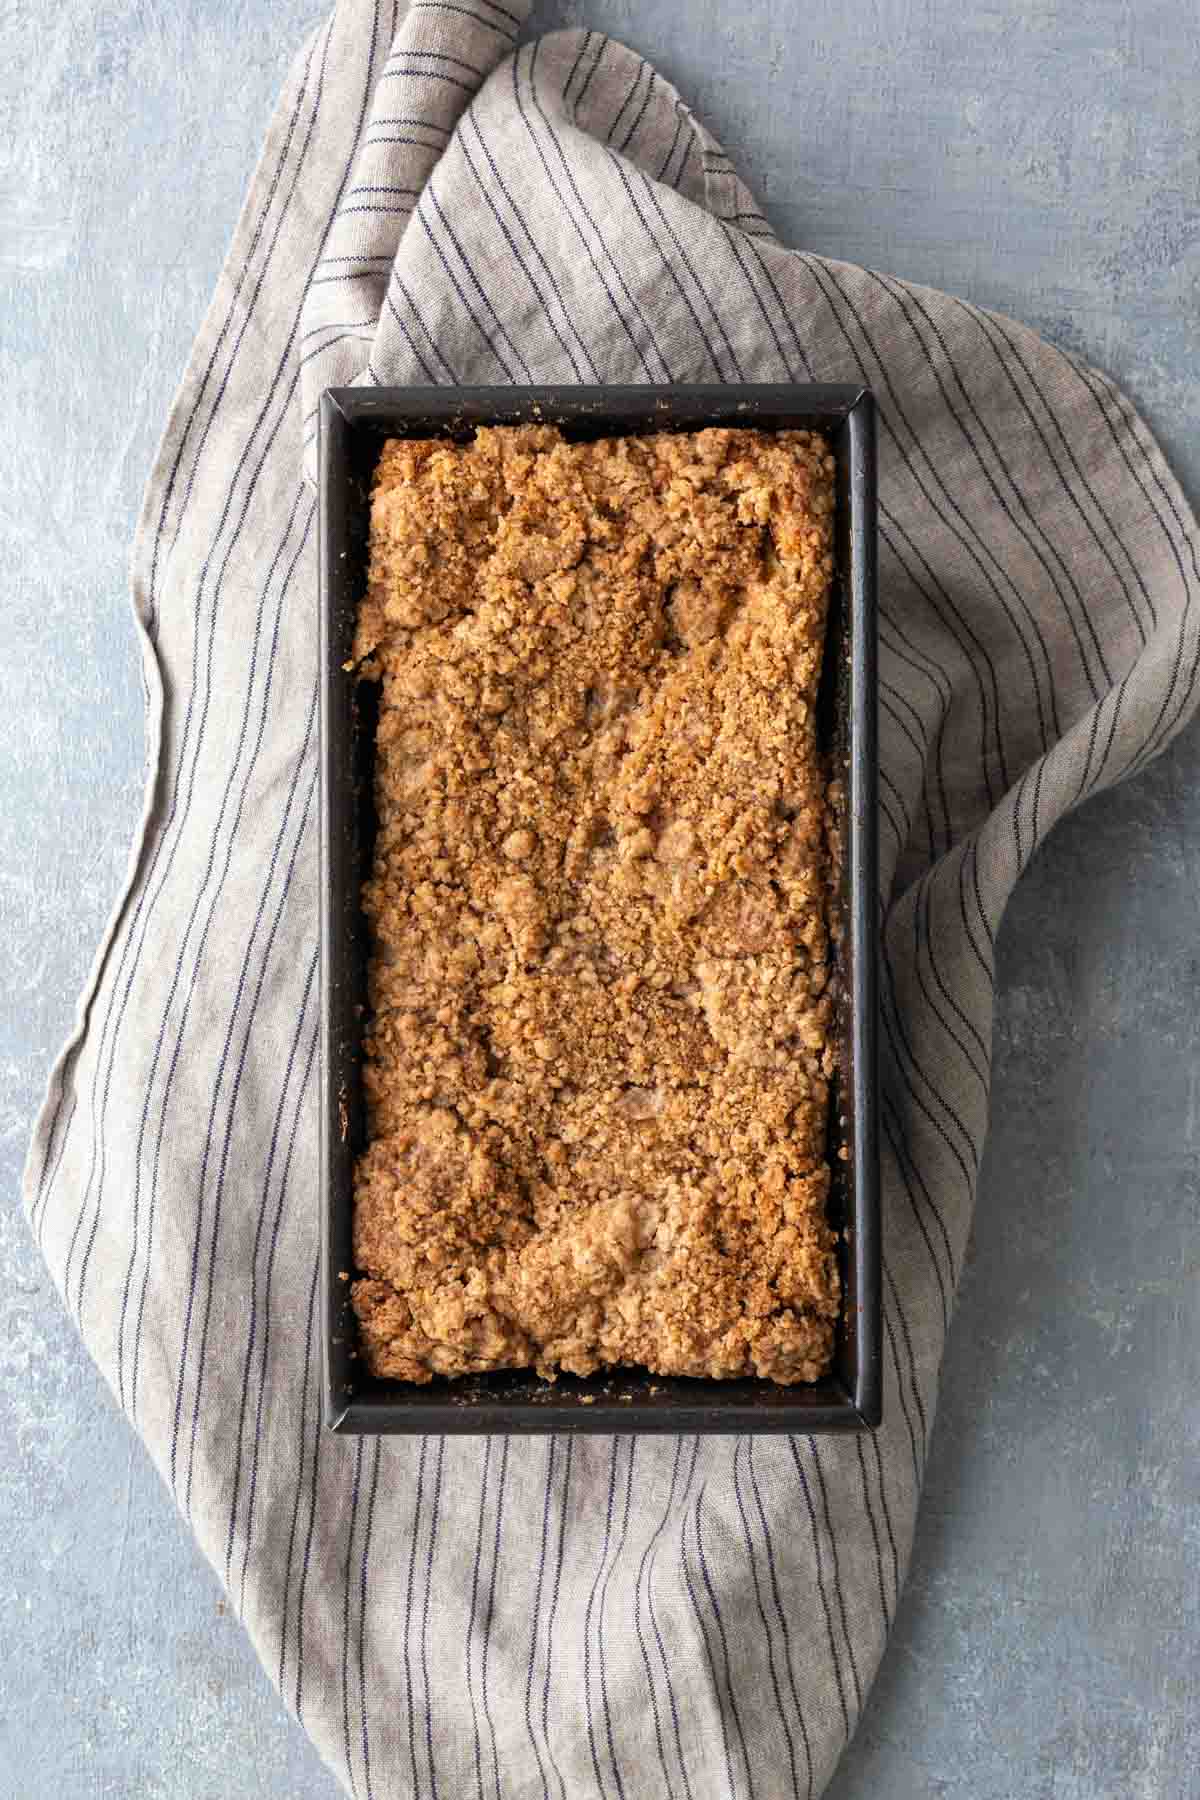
{"points": [[598, 1059]]}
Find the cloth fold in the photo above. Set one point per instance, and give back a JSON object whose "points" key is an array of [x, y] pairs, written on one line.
{"points": [[546, 1617]]}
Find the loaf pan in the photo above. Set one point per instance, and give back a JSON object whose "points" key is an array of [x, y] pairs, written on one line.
{"points": [[354, 423]]}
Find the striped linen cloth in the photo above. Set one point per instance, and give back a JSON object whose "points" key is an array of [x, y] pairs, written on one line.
{"points": [[543, 1617]]}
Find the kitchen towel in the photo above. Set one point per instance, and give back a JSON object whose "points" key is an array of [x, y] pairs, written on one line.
{"points": [[540, 1617]]}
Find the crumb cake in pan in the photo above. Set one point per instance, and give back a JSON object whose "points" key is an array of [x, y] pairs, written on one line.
{"points": [[601, 1028]]}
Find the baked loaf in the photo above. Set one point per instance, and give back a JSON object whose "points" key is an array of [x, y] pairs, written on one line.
{"points": [[599, 1049]]}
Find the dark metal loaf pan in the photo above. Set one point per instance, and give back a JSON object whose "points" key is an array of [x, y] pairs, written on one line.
{"points": [[354, 424]]}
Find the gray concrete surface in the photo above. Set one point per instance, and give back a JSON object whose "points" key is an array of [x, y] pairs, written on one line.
{"points": [[1037, 155]]}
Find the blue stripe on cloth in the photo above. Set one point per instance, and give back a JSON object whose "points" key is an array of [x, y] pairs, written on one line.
{"points": [[645, 1573], [588, 1701], [819, 1560], [910, 305], [410, 1584], [475, 1574], [425, 1610], [536, 1618], [780, 1612], [768, 1635], [264, 1386], [349, 1568], [310, 1366], [715, 1604], [262, 1302], [558, 1569], [543, 264], [601, 1651], [686, 1569], [489, 1614]]}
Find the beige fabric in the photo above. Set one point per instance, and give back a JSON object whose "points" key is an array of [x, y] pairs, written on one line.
{"points": [[537, 1617]]}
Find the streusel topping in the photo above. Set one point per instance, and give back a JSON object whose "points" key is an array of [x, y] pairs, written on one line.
{"points": [[598, 1060]]}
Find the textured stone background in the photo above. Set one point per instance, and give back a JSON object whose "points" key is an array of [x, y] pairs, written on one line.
{"points": [[1039, 156]]}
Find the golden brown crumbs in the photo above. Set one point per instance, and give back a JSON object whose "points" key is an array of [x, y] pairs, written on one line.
{"points": [[597, 1068]]}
